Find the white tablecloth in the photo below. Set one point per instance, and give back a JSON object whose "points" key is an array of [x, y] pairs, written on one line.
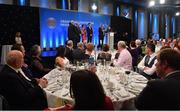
{"points": [[119, 86]]}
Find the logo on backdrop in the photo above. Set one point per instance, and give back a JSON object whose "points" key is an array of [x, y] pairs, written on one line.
{"points": [[51, 22]]}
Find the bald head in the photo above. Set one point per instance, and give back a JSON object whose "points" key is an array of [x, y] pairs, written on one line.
{"points": [[15, 59]]}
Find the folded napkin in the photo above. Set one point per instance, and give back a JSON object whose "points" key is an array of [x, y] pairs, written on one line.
{"points": [[122, 93], [137, 85], [140, 78]]}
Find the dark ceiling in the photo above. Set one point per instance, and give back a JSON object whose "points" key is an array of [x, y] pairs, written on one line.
{"points": [[146, 2], [169, 6]]}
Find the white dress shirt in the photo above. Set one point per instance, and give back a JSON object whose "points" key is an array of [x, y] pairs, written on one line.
{"points": [[151, 70], [20, 70]]}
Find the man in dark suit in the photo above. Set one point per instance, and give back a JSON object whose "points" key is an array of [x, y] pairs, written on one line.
{"points": [[101, 35], [164, 93], [79, 53], [89, 32], [69, 51], [20, 91], [71, 31]]}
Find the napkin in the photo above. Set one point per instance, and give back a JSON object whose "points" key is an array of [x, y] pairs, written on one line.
{"points": [[121, 93], [137, 85]]}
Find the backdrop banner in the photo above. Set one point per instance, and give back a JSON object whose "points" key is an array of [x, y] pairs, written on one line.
{"points": [[54, 25]]}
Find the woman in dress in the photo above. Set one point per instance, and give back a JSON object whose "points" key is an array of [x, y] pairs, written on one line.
{"points": [[83, 33]]}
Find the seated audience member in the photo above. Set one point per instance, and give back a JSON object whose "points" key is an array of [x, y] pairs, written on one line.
{"points": [[134, 53], [88, 51], [25, 67], [147, 65], [139, 47], [104, 54], [88, 92], [69, 51], [177, 46], [163, 94], [36, 67], [125, 59], [61, 61], [78, 54], [19, 90], [20, 47], [158, 46]]}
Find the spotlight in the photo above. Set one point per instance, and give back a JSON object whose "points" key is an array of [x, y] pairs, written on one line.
{"points": [[162, 1], [151, 3], [177, 13], [94, 7]]}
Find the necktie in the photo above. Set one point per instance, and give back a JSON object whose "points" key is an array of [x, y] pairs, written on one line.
{"points": [[24, 79]]}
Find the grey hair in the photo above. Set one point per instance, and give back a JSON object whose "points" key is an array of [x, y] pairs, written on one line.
{"points": [[122, 44], [70, 43], [138, 42]]}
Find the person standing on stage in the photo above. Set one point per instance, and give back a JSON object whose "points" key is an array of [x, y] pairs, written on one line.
{"points": [[101, 35], [89, 32], [71, 31], [74, 32], [83, 33], [78, 34]]}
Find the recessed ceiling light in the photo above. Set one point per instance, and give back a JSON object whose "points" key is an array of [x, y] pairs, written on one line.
{"points": [[162, 1], [94, 7], [151, 3], [177, 13]]}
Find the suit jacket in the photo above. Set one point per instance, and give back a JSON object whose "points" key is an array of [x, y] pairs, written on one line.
{"points": [[19, 92], [78, 54], [69, 54], [37, 69], [161, 94], [89, 32], [71, 32], [101, 33]]}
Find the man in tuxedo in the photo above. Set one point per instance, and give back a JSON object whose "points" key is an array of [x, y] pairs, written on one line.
{"points": [[89, 32], [20, 91], [163, 94]]}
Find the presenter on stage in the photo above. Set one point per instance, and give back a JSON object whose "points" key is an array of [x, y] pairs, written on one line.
{"points": [[101, 35], [71, 30], [89, 32]]}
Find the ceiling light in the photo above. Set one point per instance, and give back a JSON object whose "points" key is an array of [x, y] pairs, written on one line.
{"points": [[177, 13], [151, 3], [162, 1], [94, 7]]}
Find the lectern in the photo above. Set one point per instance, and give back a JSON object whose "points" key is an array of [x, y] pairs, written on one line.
{"points": [[110, 40]]}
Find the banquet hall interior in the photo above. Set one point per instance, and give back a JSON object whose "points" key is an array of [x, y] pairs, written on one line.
{"points": [[49, 50]]}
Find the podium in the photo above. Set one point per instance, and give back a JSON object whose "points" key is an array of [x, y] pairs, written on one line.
{"points": [[110, 40]]}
